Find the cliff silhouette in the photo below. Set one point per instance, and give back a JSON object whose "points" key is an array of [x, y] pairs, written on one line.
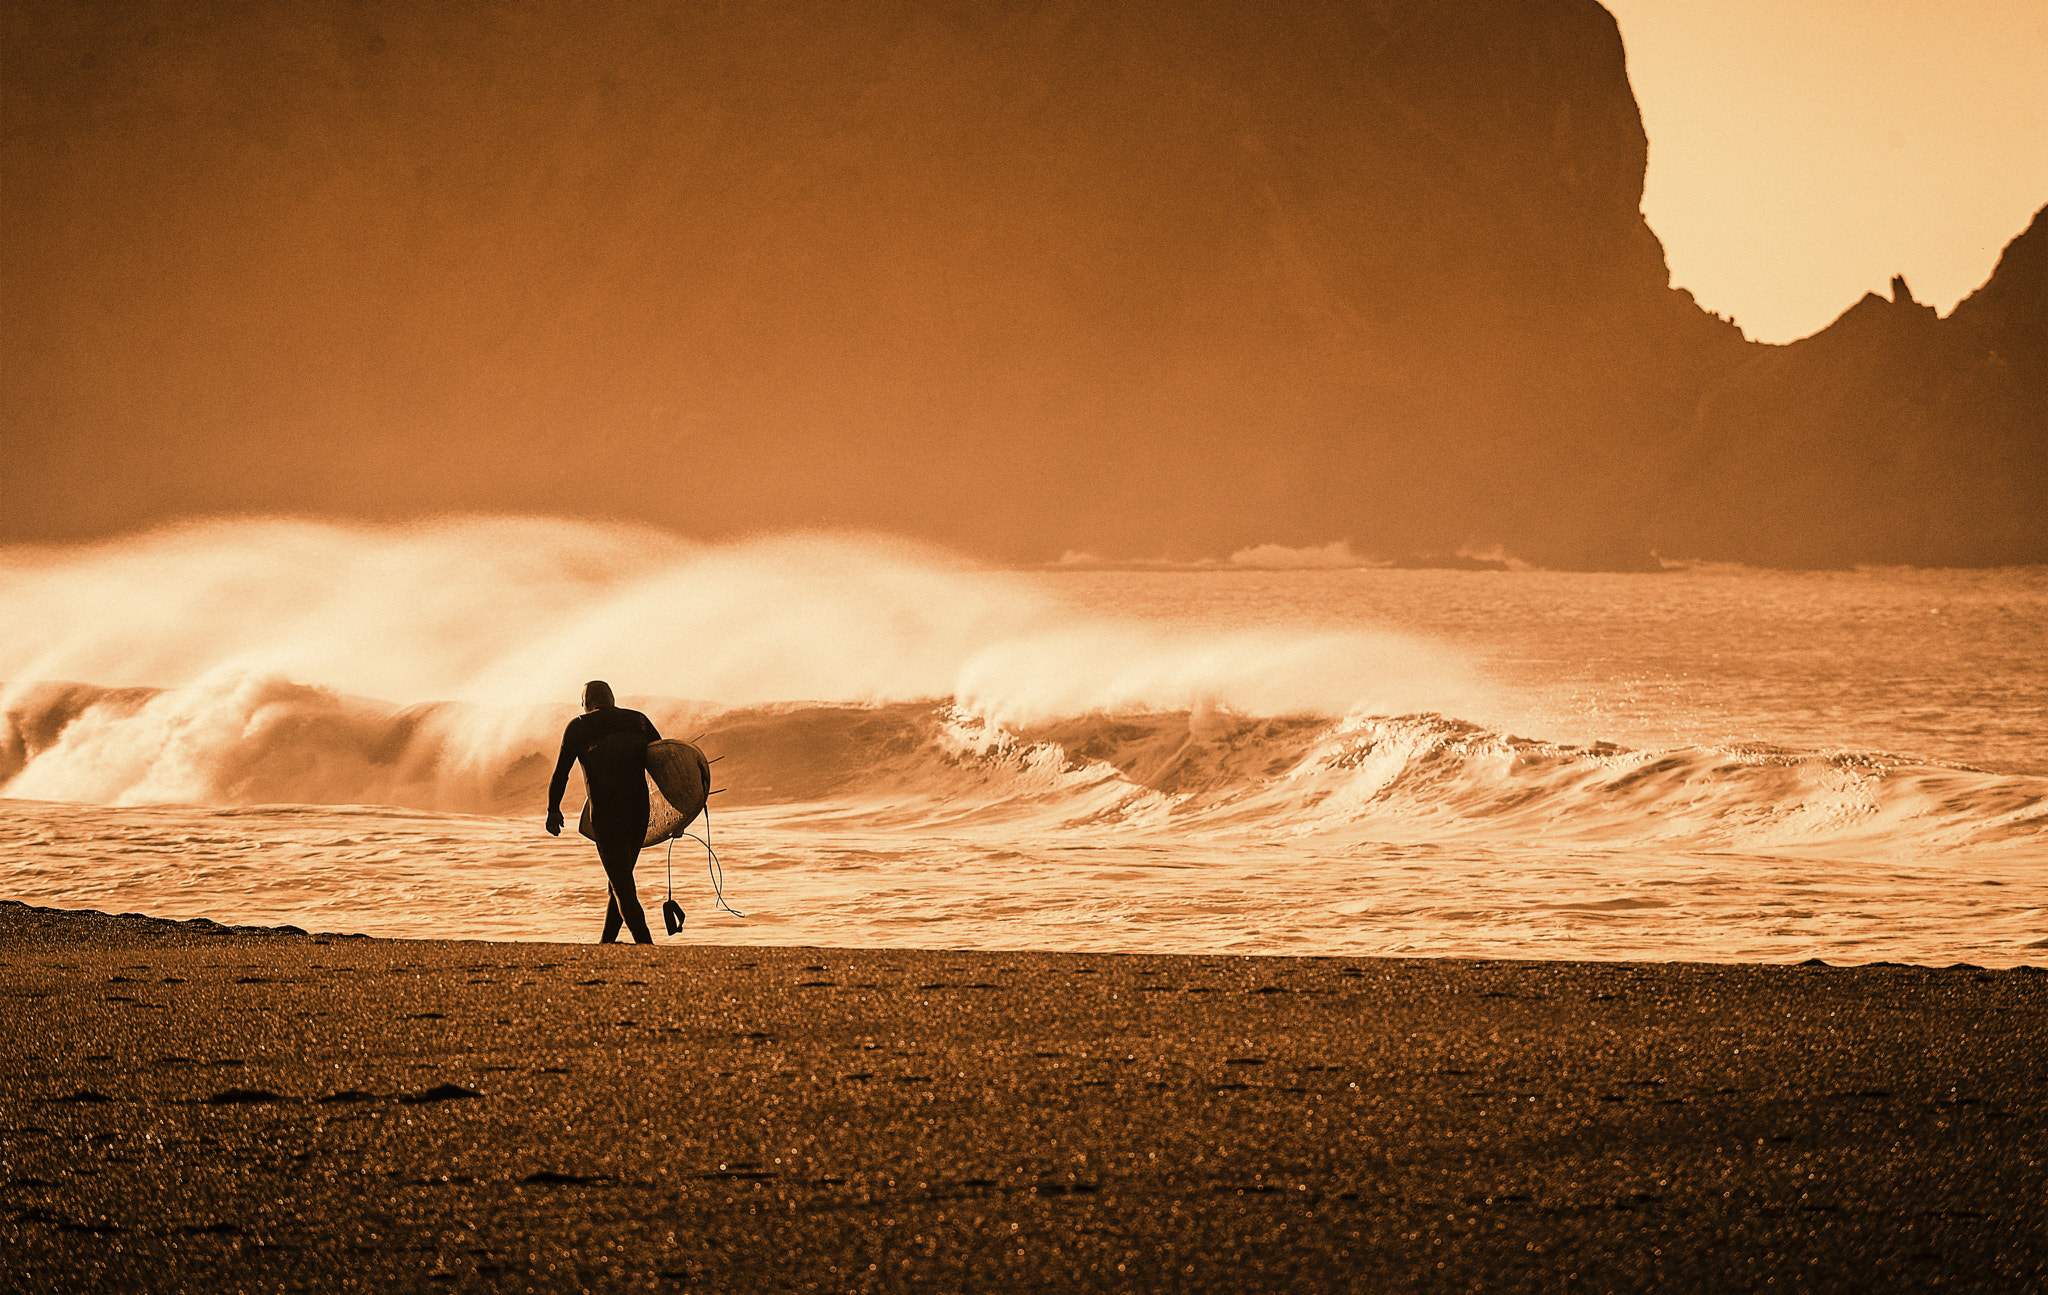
{"points": [[1168, 278], [1891, 436]]}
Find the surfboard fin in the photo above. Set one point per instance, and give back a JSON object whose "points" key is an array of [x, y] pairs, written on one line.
{"points": [[672, 916]]}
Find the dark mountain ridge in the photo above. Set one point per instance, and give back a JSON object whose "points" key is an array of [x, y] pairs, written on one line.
{"points": [[1891, 436], [1164, 278]]}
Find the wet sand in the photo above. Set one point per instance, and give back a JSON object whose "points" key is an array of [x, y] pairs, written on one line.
{"points": [[188, 1107]]}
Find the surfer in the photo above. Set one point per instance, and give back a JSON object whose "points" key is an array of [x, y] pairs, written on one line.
{"points": [[612, 744]]}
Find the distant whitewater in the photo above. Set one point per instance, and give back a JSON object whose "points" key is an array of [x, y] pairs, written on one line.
{"points": [[352, 728]]}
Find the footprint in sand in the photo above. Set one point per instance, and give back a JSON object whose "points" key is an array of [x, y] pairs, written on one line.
{"points": [[244, 1097], [439, 1093]]}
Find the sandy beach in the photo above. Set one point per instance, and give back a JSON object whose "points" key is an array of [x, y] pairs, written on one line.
{"points": [[193, 1107]]}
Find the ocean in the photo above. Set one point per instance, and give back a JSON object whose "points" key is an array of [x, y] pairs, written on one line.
{"points": [[350, 728]]}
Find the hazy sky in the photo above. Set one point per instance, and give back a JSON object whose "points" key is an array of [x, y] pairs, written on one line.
{"points": [[1804, 151]]}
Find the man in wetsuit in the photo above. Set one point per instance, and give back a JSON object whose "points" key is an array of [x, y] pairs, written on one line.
{"points": [[612, 744]]}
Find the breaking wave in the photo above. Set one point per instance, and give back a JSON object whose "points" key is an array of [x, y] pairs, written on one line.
{"points": [[941, 767], [871, 680], [520, 611]]}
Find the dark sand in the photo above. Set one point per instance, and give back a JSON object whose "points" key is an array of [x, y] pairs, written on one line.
{"points": [[192, 1108]]}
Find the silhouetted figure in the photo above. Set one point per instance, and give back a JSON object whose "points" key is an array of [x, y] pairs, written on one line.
{"points": [[612, 744]]}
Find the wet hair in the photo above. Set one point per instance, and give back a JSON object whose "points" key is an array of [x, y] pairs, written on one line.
{"points": [[597, 693]]}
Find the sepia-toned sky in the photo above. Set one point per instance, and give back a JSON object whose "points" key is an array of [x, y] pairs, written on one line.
{"points": [[1804, 151]]}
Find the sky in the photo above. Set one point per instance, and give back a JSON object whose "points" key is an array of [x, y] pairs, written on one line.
{"points": [[1804, 151]]}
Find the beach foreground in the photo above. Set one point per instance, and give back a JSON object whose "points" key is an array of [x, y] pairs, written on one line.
{"points": [[187, 1106]]}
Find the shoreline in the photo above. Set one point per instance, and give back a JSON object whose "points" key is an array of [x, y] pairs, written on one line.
{"points": [[97, 923], [190, 1105]]}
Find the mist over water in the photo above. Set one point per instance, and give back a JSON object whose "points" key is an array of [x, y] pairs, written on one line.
{"points": [[518, 611], [903, 731]]}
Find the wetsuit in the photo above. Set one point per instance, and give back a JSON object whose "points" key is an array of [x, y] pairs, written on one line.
{"points": [[612, 744]]}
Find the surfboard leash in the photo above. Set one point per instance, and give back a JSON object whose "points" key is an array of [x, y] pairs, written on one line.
{"points": [[712, 864], [711, 860]]}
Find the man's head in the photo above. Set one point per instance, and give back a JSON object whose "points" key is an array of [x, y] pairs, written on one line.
{"points": [[597, 694]]}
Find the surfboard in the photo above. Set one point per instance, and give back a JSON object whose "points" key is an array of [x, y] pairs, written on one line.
{"points": [[682, 777], [678, 784]]}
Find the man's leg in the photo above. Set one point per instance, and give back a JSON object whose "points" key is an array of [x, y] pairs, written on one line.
{"points": [[625, 903]]}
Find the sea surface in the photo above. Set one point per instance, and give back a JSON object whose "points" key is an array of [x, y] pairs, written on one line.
{"points": [[348, 728]]}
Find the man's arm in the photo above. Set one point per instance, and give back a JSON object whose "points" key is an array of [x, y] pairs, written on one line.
{"points": [[653, 733], [560, 782]]}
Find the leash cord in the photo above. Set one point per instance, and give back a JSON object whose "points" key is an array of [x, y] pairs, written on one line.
{"points": [[711, 861], [712, 864]]}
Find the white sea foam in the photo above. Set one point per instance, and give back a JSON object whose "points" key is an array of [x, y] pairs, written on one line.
{"points": [[518, 611]]}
